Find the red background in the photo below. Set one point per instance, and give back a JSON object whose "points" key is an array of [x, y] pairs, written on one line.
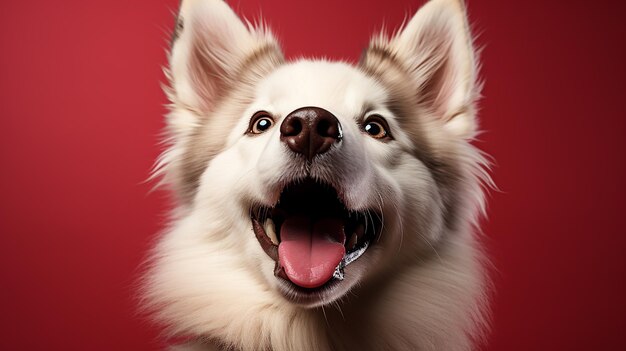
{"points": [[81, 110]]}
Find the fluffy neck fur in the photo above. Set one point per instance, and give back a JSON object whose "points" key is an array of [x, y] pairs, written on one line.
{"points": [[434, 302]]}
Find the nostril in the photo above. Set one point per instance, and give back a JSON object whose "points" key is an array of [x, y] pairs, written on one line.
{"points": [[324, 128], [328, 129], [293, 127]]}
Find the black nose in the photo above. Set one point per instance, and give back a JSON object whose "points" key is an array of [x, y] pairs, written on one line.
{"points": [[310, 131]]}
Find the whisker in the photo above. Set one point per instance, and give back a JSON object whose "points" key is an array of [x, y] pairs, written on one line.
{"points": [[338, 306], [382, 214], [400, 223], [324, 312]]}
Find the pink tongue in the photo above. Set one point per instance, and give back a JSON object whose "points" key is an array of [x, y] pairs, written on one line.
{"points": [[309, 251]]}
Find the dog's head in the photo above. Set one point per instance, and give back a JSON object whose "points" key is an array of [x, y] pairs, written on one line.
{"points": [[311, 177]]}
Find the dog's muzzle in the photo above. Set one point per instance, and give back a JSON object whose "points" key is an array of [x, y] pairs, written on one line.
{"points": [[310, 232]]}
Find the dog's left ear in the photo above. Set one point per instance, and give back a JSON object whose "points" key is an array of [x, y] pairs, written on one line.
{"points": [[435, 52]]}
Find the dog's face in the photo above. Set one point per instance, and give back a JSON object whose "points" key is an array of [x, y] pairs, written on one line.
{"points": [[315, 167], [312, 178]]}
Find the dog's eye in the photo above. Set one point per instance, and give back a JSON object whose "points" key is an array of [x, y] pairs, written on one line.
{"points": [[376, 127], [260, 122]]}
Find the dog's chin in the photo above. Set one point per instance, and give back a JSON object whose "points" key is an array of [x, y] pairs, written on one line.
{"points": [[318, 244], [333, 290]]}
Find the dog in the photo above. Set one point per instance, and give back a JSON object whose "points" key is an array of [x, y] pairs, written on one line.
{"points": [[322, 205]]}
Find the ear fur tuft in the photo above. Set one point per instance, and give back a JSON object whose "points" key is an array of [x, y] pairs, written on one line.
{"points": [[210, 48], [435, 50]]}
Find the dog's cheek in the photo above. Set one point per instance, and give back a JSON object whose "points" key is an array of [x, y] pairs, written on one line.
{"points": [[422, 205], [412, 207], [223, 187], [238, 169], [256, 261], [274, 165]]}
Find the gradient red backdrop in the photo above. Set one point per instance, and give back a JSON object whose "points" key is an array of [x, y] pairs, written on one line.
{"points": [[81, 109]]}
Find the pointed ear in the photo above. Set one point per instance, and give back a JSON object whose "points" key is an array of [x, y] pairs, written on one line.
{"points": [[210, 47], [435, 50]]}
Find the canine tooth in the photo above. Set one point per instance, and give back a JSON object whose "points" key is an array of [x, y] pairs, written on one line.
{"points": [[338, 274], [270, 231], [352, 242], [360, 231]]}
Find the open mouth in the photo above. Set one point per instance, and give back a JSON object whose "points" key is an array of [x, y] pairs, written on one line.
{"points": [[312, 235]]}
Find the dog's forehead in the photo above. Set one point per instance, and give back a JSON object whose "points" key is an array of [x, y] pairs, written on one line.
{"points": [[335, 86]]}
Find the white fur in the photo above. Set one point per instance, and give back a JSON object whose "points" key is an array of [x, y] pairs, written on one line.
{"points": [[421, 287]]}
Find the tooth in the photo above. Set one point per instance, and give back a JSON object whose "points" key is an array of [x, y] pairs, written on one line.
{"points": [[338, 274], [270, 231], [360, 231], [352, 242]]}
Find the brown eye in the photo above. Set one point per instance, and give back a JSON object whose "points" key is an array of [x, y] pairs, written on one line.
{"points": [[260, 122], [376, 127]]}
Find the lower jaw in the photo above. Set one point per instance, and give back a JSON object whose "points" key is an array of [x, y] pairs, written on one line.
{"points": [[308, 298]]}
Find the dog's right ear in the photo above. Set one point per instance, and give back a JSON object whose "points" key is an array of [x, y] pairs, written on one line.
{"points": [[210, 48]]}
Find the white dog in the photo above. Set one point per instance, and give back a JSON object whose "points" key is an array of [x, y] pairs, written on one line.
{"points": [[321, 205]]}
